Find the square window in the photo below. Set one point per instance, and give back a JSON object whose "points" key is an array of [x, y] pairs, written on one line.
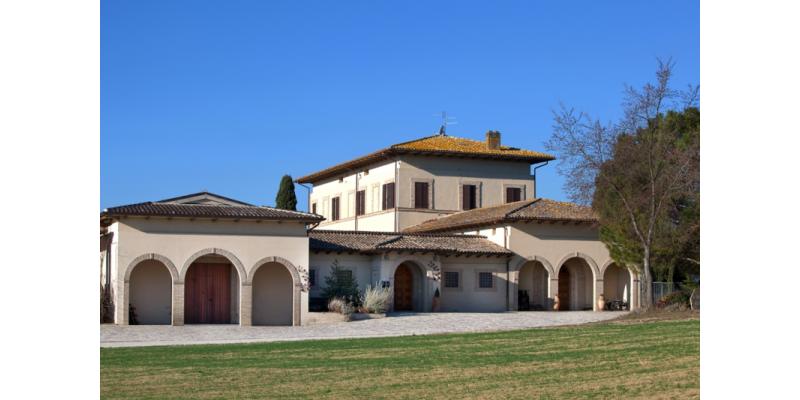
{"points": [[485, 280], [345, 275], [513, 194], [451, 279]]}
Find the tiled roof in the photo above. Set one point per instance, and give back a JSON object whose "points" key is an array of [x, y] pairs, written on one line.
{"points": [[378, 242], [441, 145], [526, 210], [157, 209]]}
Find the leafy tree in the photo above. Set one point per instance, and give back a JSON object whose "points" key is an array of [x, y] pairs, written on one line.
{"points": [[341, 283], [641, 174], [286, 199]]}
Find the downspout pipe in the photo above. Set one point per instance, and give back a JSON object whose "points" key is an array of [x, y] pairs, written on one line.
{"points": [[536, 180]]}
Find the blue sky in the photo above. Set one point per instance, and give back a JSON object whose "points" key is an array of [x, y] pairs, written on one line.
{"points": [[229, 96]]}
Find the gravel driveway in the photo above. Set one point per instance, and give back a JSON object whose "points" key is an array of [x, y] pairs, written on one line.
{"points": [[396, 324]]}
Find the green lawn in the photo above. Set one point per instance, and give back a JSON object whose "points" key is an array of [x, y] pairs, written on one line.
{"points": [[614, 360]]}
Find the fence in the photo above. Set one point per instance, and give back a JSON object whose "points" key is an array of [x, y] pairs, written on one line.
{"points": [[661, 289]]}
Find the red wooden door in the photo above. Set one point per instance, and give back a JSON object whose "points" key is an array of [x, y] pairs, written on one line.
{"points": [[208, 294], [563, 289], [403, 287]]}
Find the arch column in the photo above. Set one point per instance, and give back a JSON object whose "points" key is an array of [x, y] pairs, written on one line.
{"points": [[599, 287], [246, 304], [177, 303], [553, 292], [513, 289]]}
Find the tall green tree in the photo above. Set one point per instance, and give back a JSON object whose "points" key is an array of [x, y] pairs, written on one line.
{"points": [[286, 199], [641, 173]]}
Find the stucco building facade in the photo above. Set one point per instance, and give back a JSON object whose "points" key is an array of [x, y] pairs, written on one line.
{"points": [[449, 224]]}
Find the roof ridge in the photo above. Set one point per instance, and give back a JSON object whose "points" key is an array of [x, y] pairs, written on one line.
{"points": [[415, 140], [387, 233]]}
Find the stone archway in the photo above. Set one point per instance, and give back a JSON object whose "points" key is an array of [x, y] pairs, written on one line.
{"points": [[153, 286], [149, 287], [275, 285], [617, 284], [211, 280], [577, 282], [533, 284], [408, 287]]}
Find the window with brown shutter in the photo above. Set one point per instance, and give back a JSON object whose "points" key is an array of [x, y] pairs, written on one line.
{"points": [[361, 200], [513, 194], [469, 197], [313, 208], [388, 196], [335, 209], [421, 195]]}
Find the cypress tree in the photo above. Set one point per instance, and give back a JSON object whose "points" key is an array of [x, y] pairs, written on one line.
{"points": [[286, 198]]}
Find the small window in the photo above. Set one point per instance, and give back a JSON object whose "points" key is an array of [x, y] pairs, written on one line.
{"points": [[469, 197], [335, 209], [451, 279], [388, 196], [361, 202], [345, 275], [312, 278], [313, 208], [485, 280], [513, 194], [421, 192]]}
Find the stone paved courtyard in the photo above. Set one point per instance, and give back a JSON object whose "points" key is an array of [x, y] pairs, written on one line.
{"points": [[396, 324]]}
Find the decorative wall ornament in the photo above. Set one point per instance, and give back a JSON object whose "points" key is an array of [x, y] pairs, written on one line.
{"points": [[304, 285], [436, 269]]}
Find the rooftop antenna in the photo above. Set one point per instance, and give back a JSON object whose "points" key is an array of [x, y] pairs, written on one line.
{"points": [[445, 121]]}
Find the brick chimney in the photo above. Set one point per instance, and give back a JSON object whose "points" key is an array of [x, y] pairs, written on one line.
{"points": [[493, 140]]}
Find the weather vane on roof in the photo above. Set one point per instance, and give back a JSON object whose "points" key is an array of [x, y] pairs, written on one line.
{"points": [[445, 121]]}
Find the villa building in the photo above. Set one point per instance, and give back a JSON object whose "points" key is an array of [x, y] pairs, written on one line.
{"points": [[438, 217]]}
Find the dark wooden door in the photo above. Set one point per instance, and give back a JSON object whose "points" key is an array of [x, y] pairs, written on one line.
{"points": [[563, 289], [208, 294], [403, 288]]}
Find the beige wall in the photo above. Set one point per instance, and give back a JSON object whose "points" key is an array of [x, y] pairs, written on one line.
{"points": [[243, 243], [445, 176], [469, 297], [449, 174], [151, 293], [272, 295], [534, 279]]}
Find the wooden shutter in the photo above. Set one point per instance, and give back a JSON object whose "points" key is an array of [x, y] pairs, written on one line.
{"points": [[335, 209], [388, 196], [513, 194], [361, 198], [469, 197], [421, 195]]}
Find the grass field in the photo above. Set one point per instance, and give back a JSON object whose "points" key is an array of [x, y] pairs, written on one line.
{"points": [[630, 359]]}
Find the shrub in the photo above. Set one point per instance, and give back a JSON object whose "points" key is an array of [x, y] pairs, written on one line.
{"points": [[341, 306], [376, 299], [674, 300], [341, 283]]}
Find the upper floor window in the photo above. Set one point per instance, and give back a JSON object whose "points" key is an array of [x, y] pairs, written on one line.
{"points": [[421, 193], [513, 194], [313, 208], [361, 202], [388, 196], [469, 197], [335, 209]]}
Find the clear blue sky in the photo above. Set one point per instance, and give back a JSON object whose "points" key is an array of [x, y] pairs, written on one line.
{"points": [[229, 96]]}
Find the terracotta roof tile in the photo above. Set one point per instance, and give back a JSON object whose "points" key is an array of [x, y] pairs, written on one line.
{"points": [[157, 209], [378, 242], [433, 145], [526, 210]]}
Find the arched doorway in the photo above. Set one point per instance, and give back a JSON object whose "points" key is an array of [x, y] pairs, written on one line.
{"points": [[211, 291], [617, 285], [408, 288], [272, 295], [532, 287], [150, 298], [575, 285]]}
